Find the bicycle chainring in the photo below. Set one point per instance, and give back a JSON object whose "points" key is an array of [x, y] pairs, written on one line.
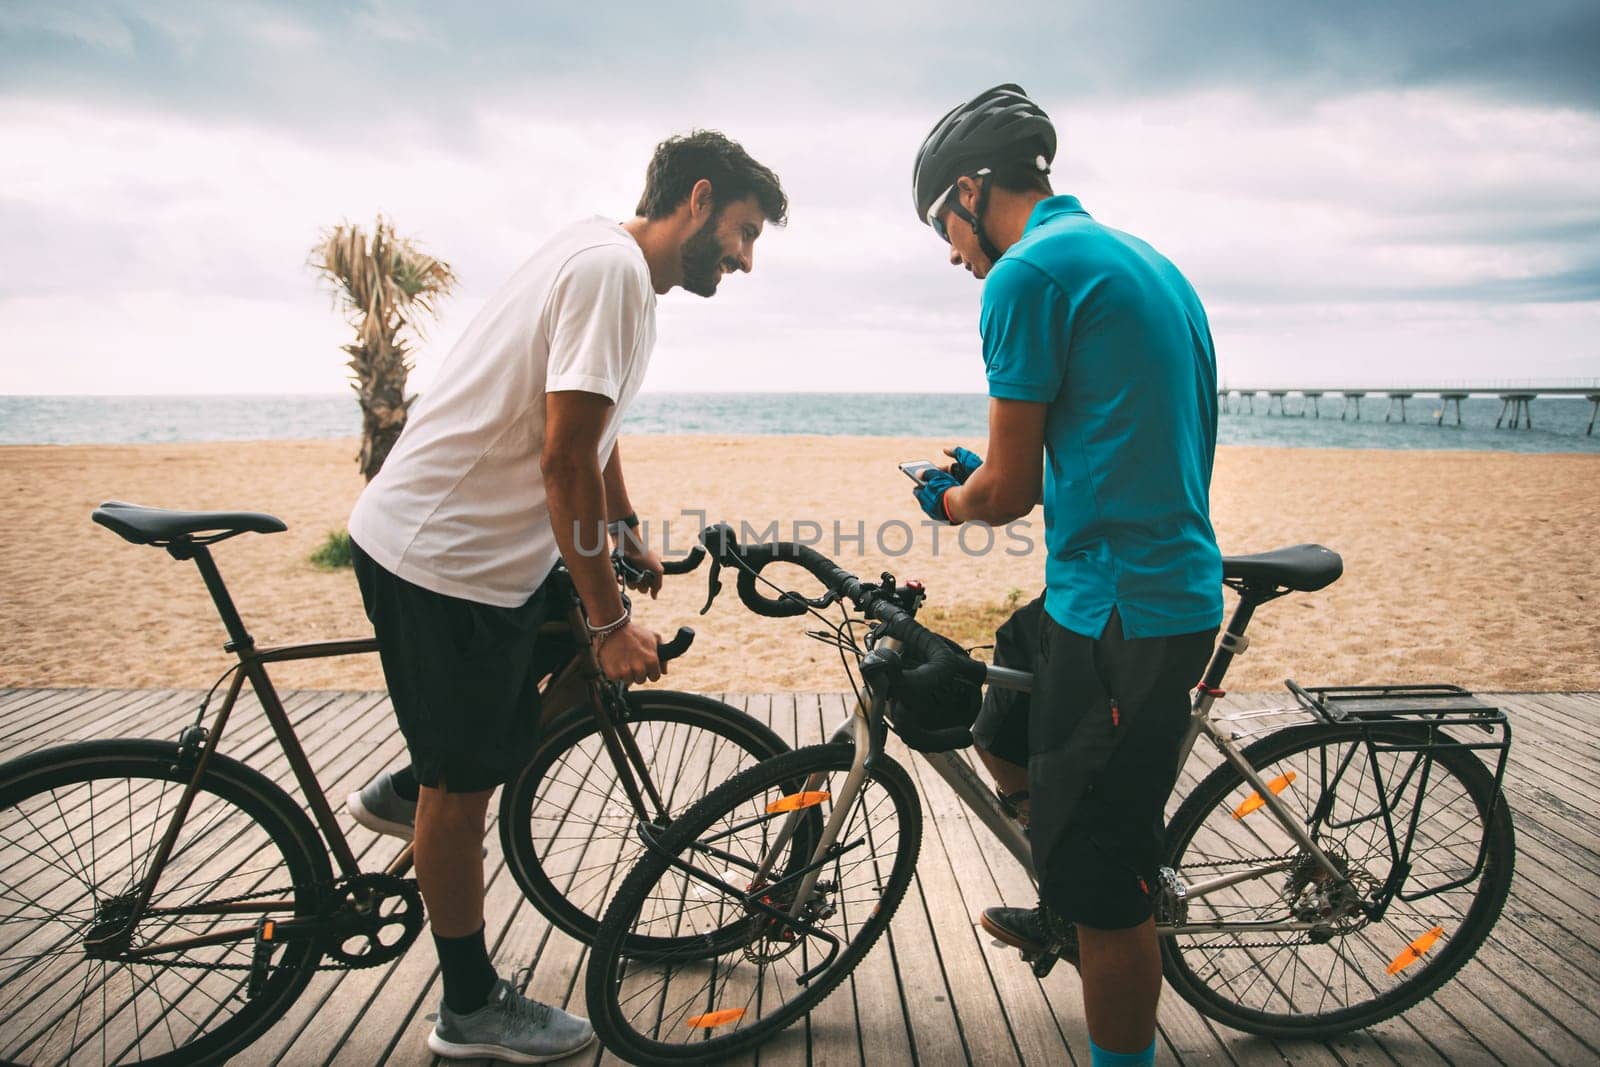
{"points": [[373, 919]]}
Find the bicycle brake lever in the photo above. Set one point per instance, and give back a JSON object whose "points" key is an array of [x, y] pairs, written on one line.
{"points": [[629, 573], [713, 584]]}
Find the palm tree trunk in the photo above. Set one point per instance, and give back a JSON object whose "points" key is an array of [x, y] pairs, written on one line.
{"points": [[381, 386]]}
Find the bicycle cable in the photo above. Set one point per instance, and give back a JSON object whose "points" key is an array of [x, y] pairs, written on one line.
{"points": [[205, 701], [840, 635]]}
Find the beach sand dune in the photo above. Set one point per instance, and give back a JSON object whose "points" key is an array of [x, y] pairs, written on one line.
{"points": [[1472, 568]]}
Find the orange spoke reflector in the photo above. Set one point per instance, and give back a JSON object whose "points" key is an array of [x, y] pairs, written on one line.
{"points": [[713, 1019], [1256, 800], [795, 801], [1413, 952], [268, 928]]}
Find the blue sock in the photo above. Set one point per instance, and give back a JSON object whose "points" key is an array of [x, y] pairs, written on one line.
{"points": [[1099, 1057]]}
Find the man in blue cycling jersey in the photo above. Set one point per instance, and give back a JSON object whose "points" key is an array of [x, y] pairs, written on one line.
{"points": [[1102, 386]]}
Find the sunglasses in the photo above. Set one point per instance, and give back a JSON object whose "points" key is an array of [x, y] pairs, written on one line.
{"points": [[947, 199]]}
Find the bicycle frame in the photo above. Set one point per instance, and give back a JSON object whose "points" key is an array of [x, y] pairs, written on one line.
{"points": [[982, 801], [580, 679]]}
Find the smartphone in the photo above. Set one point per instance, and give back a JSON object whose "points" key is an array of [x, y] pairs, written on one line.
{"points": [[918, 469]]}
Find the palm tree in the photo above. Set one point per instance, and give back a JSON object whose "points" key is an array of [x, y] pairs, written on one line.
{"points": [[385, 284]]}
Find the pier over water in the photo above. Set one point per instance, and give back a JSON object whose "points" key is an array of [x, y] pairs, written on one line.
{"points": [[1516, 397]]}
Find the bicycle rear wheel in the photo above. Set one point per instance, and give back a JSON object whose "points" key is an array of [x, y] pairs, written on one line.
{"points": [[567, 829], [1347, 971], [79, 826], [741, 968]]}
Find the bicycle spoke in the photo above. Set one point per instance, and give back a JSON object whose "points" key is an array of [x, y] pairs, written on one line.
{"points": [[722, 952], [1342, 969], [76, 843]]}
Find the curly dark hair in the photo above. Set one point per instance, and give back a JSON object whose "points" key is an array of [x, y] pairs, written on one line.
{"points": [[680, 162]]}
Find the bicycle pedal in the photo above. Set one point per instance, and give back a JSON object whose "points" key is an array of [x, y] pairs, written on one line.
{"points": [[260, 958]]}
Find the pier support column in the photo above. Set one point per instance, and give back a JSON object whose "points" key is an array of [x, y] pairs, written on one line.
{"points": [[1402, 397], [1444, 406], [1315, 413], [1348, 398], [1521, 407], [1595, 400], [1278, 395]]}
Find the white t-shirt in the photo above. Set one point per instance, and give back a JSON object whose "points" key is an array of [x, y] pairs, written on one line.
{"points": [[459, 506]]}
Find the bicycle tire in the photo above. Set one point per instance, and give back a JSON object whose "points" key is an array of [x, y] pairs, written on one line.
{"points": [[76, 822], [613, 995], [1290, 990], [566, 806]]}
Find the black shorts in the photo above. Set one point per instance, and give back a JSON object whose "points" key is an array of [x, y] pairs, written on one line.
{"points": [[463, 677], [1100, 738]]}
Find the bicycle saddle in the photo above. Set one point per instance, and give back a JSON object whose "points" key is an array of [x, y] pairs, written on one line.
{"points": [[158, 526], [1303, 568]]}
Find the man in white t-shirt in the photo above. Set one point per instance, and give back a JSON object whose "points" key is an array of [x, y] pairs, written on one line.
{"points": [[509, 463]]}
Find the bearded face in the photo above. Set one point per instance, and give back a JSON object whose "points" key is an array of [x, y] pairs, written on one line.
{"points": [[706, 257]]}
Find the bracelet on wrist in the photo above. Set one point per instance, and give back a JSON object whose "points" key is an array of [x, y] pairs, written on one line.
{"points": [[610, 627], [618, 528]]}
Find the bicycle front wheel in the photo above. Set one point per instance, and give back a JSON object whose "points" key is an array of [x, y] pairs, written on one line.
{"points": [[1247, 878], [566, 826], [750, 951], [79, 827]]}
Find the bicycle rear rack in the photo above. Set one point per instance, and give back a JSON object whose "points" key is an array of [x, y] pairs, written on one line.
{"points": [[1421, 712]]}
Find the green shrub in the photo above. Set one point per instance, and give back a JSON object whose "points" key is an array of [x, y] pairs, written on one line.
{"points": [[333, 553]]}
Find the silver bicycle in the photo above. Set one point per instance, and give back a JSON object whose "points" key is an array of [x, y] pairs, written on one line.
{"points": [[1326, 875]]}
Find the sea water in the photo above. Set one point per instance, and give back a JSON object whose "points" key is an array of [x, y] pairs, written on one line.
{"points": [[1559, 424]]}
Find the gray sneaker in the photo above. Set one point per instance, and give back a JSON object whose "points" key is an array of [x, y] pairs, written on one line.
{"points": [[378, 807], [510, 1027]]}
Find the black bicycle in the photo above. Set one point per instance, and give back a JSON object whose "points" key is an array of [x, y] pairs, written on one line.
{"points": [[1327, 875], [163, 903]]}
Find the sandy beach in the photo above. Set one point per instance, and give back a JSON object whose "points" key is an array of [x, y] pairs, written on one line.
{"points": [[1472, 568]]}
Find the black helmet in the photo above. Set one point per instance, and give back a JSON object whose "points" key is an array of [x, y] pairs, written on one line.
{"points": [[998, 125]]}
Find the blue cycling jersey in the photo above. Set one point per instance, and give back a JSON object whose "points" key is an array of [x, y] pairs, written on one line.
{"points": [[1106, 331]]}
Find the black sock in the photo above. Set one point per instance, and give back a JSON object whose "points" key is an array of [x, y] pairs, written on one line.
{"points": [[468, 974], [404, 783]]}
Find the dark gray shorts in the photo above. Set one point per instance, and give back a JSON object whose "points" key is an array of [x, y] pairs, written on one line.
{"points": [[1100, 738], [463, 677]]}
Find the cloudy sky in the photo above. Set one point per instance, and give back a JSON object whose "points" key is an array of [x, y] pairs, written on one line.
{"points": [[1363, 194]]}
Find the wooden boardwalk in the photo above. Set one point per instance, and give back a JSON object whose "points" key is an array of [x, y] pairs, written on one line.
{"points": [[936, 991]]}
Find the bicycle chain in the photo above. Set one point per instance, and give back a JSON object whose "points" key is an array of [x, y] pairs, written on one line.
{"points": [[1250, 862], [1304, 939], [323, 964]]}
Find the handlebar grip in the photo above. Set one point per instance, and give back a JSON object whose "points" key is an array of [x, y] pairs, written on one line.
{"points": [[677, 646], [770, 607], [686, 564], [751, 559]]}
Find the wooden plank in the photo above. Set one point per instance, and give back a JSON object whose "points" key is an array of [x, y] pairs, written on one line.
{"points": [[71, 715], [14, 699], [831, 1032], [335, 995], [1530, 994], [977, 1006], [883, 1030], [22, 709], [967, 850], [228, 856]]}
